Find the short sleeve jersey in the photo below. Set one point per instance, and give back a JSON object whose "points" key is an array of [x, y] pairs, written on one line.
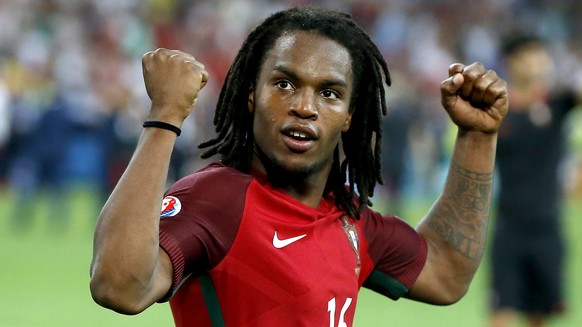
{"points": [[247, 254]]}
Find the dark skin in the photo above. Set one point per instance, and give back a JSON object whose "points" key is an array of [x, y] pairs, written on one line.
{"points": [[301, 105]]}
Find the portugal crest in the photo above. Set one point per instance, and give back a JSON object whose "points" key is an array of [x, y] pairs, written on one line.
{"points": [[352, 234]]}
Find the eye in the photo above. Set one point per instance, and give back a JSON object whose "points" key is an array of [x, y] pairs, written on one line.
{"points": [[284, 85], [329, 94]]}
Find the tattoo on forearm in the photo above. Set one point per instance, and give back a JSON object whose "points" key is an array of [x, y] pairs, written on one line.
{"points": [[461, 216]]}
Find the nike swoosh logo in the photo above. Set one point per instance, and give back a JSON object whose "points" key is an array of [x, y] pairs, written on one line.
{"points": [[278, 243]]}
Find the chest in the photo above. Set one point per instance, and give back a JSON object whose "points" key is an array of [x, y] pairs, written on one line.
{"points": [[299, 257], [302, 270]]}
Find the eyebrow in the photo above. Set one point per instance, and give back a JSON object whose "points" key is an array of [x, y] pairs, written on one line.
{"points": [[324, 83]]}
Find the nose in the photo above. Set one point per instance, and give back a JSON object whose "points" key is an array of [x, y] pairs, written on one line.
{"points": [[304, 105]]}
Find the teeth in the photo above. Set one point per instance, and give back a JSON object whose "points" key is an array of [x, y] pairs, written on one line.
{"points": [[298, 135]]}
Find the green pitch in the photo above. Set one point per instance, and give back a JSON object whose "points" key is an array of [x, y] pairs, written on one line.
{"points": [[44, 275]]}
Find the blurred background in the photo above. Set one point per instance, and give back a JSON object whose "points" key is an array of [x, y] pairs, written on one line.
{"points": [[72, 101]]}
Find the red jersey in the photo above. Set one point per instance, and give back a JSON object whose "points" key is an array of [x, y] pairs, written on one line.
{"points": [[246, 254]]}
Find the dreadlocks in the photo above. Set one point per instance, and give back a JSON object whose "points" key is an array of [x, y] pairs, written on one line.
{"points": [[361, 143]]}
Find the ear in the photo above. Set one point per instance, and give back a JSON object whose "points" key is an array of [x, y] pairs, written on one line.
{"points": [[348, 120], [251, 101]]}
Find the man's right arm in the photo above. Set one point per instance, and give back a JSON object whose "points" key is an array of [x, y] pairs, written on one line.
{"points": [[129, 271]]}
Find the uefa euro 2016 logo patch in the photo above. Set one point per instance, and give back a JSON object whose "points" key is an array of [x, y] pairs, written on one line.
{"points": [[170, 206]]}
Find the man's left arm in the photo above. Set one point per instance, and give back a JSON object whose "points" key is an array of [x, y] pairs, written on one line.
{"points": [[455, 228]]}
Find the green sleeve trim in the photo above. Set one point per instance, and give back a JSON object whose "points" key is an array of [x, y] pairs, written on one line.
{"points": [[211, 300], [385, 284]]}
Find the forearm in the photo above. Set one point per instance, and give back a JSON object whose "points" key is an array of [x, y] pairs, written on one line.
{"points": [[456, 226], [126, 242]]}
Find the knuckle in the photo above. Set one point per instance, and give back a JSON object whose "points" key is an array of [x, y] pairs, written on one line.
{"points": [[474, 71], [147, 56], [481, 83]]}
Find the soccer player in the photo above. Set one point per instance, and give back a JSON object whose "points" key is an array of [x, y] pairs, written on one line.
{"points": [[279, 231]]}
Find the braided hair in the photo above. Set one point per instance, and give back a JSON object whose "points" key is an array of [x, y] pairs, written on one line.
{"points": [[361, 143]]}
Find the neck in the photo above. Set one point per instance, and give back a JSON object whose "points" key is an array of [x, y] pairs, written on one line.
{"points": [[305, 187]]}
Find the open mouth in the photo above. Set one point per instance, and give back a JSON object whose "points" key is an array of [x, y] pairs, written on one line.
{"points": [[299, 136]]}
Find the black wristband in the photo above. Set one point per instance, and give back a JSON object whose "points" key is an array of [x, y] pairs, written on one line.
{"points": [[162, 125]]}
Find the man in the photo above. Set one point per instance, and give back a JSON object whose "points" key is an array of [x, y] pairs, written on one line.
{"points": [[271, 235], [528, 245]]}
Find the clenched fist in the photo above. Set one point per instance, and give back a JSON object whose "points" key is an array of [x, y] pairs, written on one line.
{"points": [[173, 80], [476, 99]]}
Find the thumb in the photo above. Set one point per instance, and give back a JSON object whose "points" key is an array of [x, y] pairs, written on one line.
{"points": [[449, 89]]}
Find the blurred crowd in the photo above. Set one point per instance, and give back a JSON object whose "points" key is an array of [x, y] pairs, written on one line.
{"points": [[72, 97]]}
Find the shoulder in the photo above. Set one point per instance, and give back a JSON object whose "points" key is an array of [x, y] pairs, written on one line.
{"points": [[211, 190], [390, 235], [563, 102], [201, 214], [213, 176], [374, 221], [397, 251]]}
